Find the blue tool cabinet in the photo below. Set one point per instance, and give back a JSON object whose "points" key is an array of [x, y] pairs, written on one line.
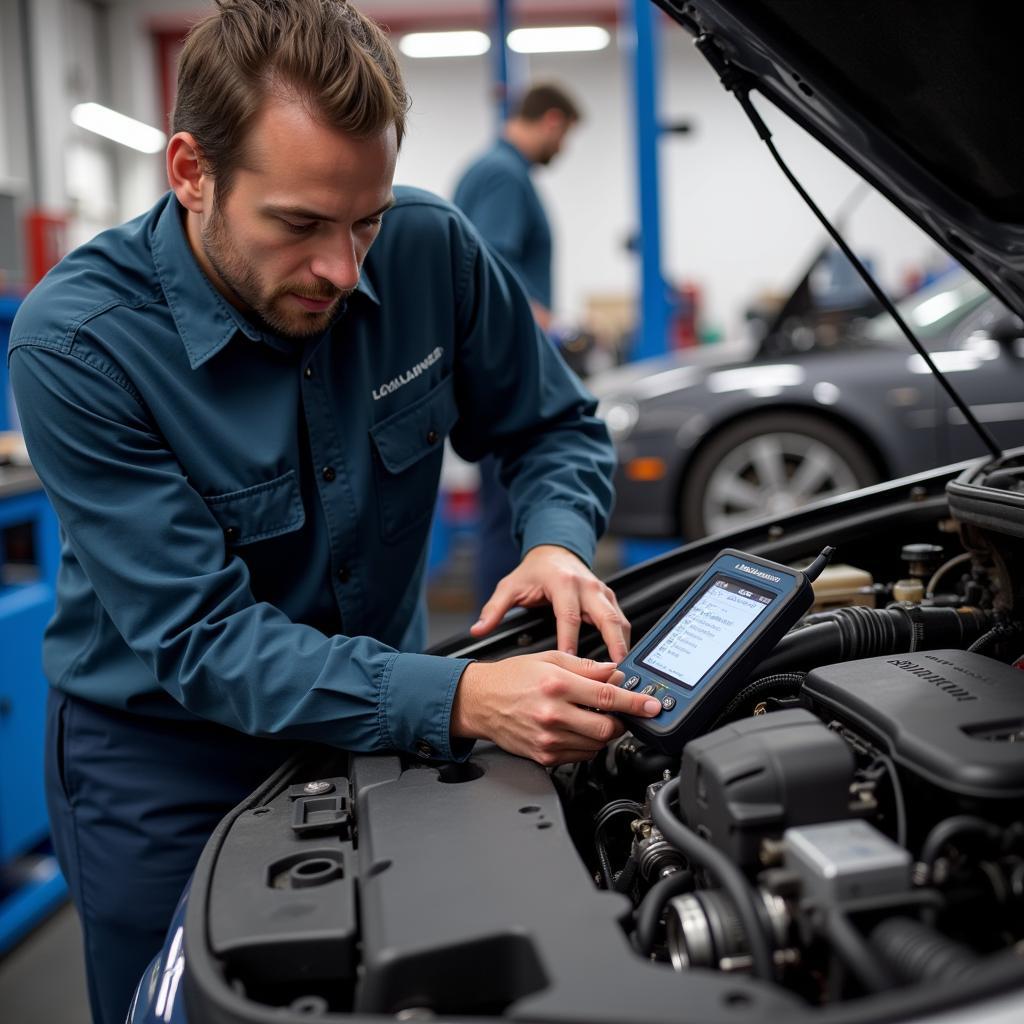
{"points": [[30, 882]]}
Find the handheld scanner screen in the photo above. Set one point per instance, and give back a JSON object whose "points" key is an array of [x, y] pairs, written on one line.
{"points": [[705, 630], [709, 643]]}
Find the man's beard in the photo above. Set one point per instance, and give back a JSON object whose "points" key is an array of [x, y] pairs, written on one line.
{"points": [[242, 278]]}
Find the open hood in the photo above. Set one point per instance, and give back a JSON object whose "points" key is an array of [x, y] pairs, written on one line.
{"points": [[923, 100]]}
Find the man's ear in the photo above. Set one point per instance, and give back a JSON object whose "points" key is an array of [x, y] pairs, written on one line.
{"points": [[554, 119], [185, 171]]}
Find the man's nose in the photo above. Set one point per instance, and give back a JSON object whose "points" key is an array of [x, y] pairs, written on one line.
{"points": [[339, 266]]}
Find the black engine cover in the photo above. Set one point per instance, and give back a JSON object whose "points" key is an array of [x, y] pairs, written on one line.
{"points": [[949, 717]]}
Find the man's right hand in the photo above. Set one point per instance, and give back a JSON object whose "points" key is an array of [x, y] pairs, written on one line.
{"points": [[539, 706]]}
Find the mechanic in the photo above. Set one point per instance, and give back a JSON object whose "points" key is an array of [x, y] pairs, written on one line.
{"points": [[499, 197], [240, 425]]}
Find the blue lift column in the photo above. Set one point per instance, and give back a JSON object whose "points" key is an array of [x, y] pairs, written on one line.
{"points": [[651, 337], [641, 51], [499, 48]]}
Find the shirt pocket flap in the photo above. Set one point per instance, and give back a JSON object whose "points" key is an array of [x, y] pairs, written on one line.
{"points": [[405, 437], [260, 512]]}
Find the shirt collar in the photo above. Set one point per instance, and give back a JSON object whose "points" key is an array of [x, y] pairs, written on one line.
{"points": [[205, 320], [512, 148]]}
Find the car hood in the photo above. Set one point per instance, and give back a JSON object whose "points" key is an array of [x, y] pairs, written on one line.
{"points": [[922, 100], [647, 378]]}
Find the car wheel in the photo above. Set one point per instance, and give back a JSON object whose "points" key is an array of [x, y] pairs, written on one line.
{"points": [[768, 465]]}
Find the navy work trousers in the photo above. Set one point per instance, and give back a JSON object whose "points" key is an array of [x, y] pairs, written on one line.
{"points": [[132, 801]]}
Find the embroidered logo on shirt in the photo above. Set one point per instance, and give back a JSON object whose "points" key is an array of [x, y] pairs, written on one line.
{"points": [[411, 374]]}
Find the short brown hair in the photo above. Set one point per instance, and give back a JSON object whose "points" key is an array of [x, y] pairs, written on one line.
{"points": [[333, 57], [540, 98]]}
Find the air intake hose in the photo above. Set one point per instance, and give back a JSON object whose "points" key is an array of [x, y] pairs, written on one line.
{"points": [[847, 634], [916, 953]]}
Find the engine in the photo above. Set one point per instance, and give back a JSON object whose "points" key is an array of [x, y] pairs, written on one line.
{"points": [[844, 841], [853, 823]]}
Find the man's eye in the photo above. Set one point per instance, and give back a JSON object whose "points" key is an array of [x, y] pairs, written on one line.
{"points": [[371, 222], [299, 229]]}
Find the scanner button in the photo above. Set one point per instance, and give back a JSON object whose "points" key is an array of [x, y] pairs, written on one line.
{"points": [[631, 683], [649, 689], [668, 702]]}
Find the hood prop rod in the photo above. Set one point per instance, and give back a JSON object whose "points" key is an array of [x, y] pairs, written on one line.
{"points": [[737, 82]]}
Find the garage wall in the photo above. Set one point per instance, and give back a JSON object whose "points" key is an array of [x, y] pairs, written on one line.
{"points": [[731, 223]]}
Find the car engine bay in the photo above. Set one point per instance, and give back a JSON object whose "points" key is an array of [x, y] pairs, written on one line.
{"points": [[845, 842]]}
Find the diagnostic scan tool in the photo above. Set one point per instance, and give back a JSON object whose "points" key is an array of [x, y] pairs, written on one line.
{"points": [[704, 649]]}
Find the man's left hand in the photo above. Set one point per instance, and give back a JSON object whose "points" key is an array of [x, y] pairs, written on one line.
{"points": [[555, 574]]}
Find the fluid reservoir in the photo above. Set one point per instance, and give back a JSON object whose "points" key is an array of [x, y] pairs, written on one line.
{"points": [[840, 585]]}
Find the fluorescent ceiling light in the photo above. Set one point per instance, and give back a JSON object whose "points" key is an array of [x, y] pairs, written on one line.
{"points": [[571, 39], [112, 125], [444, 44]]}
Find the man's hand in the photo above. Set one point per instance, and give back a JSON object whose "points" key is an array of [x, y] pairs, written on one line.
{"points": [[550, 573], [538, 705]]}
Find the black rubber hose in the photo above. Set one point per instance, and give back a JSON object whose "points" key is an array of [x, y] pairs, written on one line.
{"points": [[605, 863], [1000, 631], [899, 804], [852, 948], [803, 649], [616, 807], [648, 914], [785, 683], [915, 953], [701, 853], [848, 633], [625, 878], [949, 828], [601, 820]]}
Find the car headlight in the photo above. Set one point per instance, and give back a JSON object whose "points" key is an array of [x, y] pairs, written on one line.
{"points": [[620, 416]]}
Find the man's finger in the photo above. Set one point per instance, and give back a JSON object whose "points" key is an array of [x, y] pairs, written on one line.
{"points": [[566, 606], [599, 670], [600, 729], [493, 612], [613, 627], [608, 697]]}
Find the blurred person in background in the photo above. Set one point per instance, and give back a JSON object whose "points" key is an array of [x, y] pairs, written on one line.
{"points": [[497, 193]]}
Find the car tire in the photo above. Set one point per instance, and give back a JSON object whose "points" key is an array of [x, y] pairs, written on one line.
{"points": [[767, 464]]}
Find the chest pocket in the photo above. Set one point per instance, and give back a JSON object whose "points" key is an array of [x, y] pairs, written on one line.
{"points": [[260, 512], [408, 450]]}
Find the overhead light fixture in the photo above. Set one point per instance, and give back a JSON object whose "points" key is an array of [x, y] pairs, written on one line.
{"points": [[119, 127], [444, 44], [569, 39]]}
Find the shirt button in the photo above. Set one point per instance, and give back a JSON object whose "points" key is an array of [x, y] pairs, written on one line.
{"points": [[424, 749], [231, 533], [431, 437], [328, 473], [308, 372], [344, 574]]}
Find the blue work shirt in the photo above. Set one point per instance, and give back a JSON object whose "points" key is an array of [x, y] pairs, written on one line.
{"points": [[244, 516], [497, 194]]}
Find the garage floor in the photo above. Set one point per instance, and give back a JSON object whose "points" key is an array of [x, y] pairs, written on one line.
{"points": [[43, 981]]}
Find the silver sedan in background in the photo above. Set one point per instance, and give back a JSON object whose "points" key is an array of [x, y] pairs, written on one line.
{"points": [[711, 438]]}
